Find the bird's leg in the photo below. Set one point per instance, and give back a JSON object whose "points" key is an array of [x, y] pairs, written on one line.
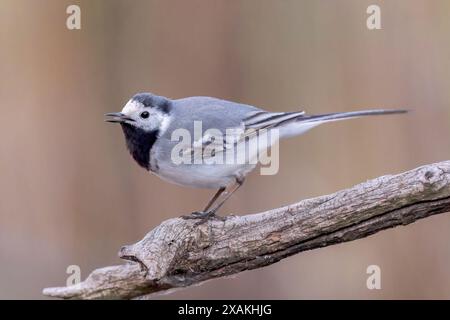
{"points": [[204, 216], [205, 213], [214, 198], [239, 183]]}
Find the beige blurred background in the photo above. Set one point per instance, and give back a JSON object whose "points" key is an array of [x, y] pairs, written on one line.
{"points": [[71, 194]]}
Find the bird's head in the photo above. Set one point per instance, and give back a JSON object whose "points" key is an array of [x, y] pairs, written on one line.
{"points": [[143, 112], [142, 119]]}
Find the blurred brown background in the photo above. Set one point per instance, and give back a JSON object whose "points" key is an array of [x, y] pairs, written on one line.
{"points": [[71, 194]]}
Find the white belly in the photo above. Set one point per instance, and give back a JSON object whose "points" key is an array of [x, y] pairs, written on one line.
{"points": [[203, 175]]}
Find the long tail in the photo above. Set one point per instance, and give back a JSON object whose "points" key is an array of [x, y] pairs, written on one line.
{"points": [[295, 123], [347, 115]]}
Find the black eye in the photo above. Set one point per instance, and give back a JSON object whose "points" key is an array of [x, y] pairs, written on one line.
{"points": [[145, 115]]}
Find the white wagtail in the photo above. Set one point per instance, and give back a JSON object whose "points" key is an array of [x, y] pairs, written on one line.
{"points": [[148, 122]]}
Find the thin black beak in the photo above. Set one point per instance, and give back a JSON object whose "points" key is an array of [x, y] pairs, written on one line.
{"points": [[117, 117]]}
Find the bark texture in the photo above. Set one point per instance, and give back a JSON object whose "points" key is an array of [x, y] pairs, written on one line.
{"points": [[180, 253]]}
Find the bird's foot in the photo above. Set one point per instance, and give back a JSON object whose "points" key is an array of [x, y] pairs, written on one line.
{"points": [[203, 216], [199, 215]]}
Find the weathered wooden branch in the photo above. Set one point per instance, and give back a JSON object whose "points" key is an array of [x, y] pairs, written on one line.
{"points": [[179, 253]]}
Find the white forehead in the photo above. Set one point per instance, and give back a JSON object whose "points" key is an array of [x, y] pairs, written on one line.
{"points": [[132, 106]]}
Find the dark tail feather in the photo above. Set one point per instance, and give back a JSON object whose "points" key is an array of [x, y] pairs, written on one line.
{"points": [[347, 115]]}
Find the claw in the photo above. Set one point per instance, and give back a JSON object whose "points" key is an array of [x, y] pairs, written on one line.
{"points": [[202, 216], [199, 215]]}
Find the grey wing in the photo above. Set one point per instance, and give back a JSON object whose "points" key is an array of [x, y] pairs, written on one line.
{"points": [[221, 122], [212, 112], [233, 121]]}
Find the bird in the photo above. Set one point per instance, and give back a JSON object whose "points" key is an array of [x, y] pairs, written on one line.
{"points": [[149, 122]]}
